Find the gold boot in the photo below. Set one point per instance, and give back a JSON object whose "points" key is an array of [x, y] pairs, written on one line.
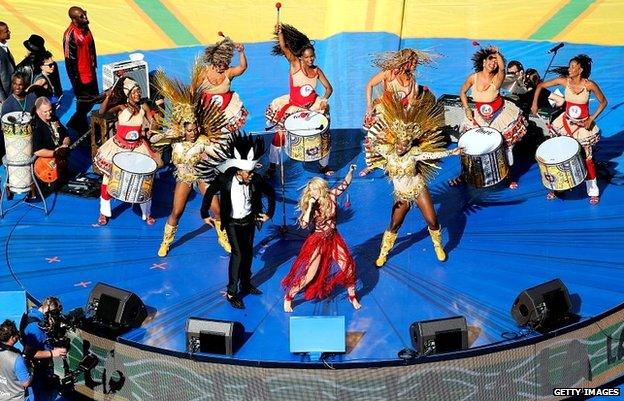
{"points": [[168, 236], [387, 242], [222, 237], [436, 238]]}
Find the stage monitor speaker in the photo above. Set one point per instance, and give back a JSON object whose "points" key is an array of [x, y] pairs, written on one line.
{"points": [[115, 307], [213, 336], [439, 335], [542, 306]]}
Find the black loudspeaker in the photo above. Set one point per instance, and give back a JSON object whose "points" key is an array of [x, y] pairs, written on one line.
{"points": [[542, 306], [440, 335], [114, 307], [213, 336]]}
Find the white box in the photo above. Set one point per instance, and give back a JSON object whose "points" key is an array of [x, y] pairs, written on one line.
{"points": [[135, 69]]}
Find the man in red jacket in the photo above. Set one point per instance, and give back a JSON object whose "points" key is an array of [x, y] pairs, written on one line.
{"points": [[81, 66]]}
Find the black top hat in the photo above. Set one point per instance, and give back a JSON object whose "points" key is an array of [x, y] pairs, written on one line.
{"points": [[35, 43]]}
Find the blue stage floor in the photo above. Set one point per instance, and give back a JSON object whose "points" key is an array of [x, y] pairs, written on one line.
{"points": [[498, 241]]}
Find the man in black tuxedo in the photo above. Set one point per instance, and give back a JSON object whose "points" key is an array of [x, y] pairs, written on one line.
{"points": [[241, 212]]}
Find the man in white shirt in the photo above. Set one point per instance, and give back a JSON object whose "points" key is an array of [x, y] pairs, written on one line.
{"points": [[241, 211]]}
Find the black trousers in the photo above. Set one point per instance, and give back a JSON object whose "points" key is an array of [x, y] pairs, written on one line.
{"points": [[241, 236], [79, 121]]}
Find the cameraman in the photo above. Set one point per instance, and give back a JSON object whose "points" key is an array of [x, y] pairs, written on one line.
{"points": [[39, 324], [14, 375]]}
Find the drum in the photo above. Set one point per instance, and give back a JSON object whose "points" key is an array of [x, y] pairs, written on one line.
{"points": [[561, 164], [307, 136], [132, 177], [17, 133], [484, 163]]}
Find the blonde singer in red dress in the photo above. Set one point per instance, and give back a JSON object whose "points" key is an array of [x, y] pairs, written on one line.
{"points": [[323, 249]]}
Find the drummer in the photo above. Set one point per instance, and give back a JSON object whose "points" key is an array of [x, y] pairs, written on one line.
{"points": [[19, 100], [398, 76], [576, 121], [132, 119], [304, 76], [217, 78], [492, 110]]}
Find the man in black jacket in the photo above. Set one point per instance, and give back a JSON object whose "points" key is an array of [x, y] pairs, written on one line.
{"points": [[241, 211], [50, 140], [7, 63], [81, 66]]}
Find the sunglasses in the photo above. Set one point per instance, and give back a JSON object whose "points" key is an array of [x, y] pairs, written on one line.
{"points": [[50, 65]]}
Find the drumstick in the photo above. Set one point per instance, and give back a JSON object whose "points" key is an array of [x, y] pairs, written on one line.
{"points": [[278, 6]]}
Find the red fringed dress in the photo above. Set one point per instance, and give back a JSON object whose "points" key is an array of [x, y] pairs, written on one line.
{"points": [[336, 265]]}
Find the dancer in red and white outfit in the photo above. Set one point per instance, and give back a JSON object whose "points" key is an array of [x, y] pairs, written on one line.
{"points": [[397, 77], [323, 248], [577, 122], [303, 78], [492, 110], [133, 119], [217, 80]]}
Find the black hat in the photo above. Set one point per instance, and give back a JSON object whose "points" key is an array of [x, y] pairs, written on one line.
{"points": [[35, 43]]}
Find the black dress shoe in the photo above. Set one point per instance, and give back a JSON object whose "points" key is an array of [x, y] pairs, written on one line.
{"points": [[235, 301], [251, 290]]}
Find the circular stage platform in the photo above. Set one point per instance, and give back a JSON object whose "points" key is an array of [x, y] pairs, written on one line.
{"points": [[499, 242]]}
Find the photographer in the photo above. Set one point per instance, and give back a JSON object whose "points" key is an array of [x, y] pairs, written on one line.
{"points": [[14, 375], [39, 342]]}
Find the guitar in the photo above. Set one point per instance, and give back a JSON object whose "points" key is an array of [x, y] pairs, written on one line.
{"points": [[47, 168]]}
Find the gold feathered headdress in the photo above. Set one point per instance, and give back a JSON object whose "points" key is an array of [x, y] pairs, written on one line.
{"points": [[419, 124], [393, 60], [186, 104]]}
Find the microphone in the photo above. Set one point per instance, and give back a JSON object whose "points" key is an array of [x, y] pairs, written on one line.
{"points": [[556, 48]]}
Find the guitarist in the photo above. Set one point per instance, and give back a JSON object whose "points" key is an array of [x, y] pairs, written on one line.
{"points": [[50, 139]]}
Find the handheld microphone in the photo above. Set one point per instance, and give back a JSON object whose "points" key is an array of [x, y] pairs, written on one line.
{"points": [[556, 48]]}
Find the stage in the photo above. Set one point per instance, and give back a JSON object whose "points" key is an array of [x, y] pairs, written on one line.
{"points": [[499, 241]]}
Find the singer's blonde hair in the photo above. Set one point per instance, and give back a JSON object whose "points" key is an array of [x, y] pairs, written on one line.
{"points": [[323, 203]]}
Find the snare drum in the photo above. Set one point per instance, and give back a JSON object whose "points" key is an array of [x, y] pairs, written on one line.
{"points": [[17, 133], [132, 177], [307, 136], [484, 163], [561, 164]]}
